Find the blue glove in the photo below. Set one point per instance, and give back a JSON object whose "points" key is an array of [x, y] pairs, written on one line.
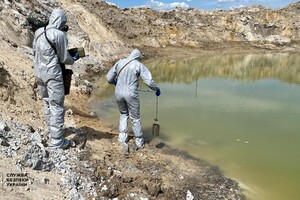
{"points": [[157, 92], [76, 57]]}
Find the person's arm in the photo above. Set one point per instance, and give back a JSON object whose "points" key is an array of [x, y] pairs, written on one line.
{"points": [[147, 77], [62, 51], [111, 75]]}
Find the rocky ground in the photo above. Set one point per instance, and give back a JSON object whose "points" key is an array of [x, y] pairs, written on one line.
{"points": [[98, 168], [256, 26]]}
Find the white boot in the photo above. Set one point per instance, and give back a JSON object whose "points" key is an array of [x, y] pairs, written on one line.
{"points": [[123, 137], [139, 142]]}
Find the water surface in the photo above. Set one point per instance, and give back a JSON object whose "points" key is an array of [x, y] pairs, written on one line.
{"points": [[238, 112]]}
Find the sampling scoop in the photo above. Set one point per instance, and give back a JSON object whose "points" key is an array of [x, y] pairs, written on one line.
{"points": [[156, 126]]}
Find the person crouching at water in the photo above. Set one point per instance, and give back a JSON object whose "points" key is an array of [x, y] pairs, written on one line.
{"points": [[125, 76]]}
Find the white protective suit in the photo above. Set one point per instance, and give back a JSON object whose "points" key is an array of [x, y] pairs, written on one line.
{"points": [[126, 93], [48, 72]]}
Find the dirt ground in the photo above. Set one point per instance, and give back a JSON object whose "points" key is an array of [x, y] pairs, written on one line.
{"points": [[40, 185]]}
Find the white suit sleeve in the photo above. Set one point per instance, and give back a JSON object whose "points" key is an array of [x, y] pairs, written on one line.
{"points": [[147, 77], [62, 51], [112, 73]]}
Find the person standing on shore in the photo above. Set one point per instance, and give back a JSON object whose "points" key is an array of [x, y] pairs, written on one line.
{"points": [[125, 76], [50, 51]]}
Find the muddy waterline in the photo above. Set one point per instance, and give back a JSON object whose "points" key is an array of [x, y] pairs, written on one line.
{"points": [[238, 112]]}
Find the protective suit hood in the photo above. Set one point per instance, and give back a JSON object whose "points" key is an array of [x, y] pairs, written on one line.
{"points": [[134, 54], [57, 19]]}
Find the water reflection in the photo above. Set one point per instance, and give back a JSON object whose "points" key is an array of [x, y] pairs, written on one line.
{"points": [[281, 66]]}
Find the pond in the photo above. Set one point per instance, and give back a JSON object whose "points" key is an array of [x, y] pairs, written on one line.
{"points": [[238, 112]]}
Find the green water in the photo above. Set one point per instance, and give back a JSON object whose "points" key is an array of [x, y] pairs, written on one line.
{"points": [[238, 112]]}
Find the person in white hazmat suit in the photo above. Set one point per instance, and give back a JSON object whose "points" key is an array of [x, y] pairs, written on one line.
{"points": [[125, 75], [50, 50]]}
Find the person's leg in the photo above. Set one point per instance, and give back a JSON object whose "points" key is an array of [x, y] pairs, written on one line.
{"points": [[45, 97], [134, 113], [56, 105], [44, 94], [123, 123]]}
